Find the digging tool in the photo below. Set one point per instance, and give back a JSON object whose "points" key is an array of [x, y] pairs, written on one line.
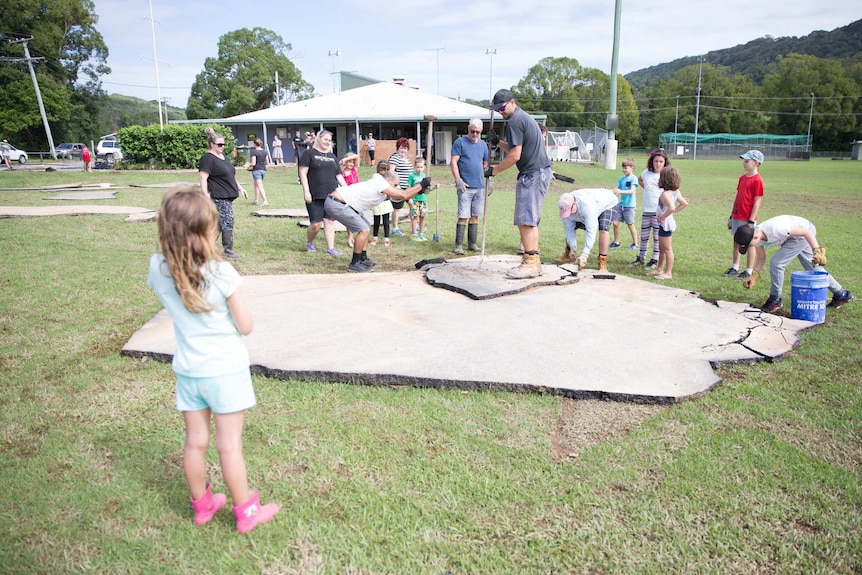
{"points": [[487, 189], [436, 237], [430, 119]]}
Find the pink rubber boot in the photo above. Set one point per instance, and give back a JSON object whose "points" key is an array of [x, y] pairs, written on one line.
{"points": [[207, 506], [250, 513]]}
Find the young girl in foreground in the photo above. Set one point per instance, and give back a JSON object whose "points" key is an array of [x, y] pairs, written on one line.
{"points": [[669, 203], [201, 294]]}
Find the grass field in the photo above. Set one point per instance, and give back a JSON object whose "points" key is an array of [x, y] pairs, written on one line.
{"points": [[762, 475]]}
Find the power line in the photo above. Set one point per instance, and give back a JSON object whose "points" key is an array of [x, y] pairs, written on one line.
{"points": [[146, 86]]}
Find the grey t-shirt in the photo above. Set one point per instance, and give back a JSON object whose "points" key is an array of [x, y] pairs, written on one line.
{"points": [[524, 131]]}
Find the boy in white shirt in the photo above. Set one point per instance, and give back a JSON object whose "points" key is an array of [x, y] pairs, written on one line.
{"points": [[798, 239]]}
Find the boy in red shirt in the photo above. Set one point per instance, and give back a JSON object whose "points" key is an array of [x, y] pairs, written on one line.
{"points": [[749, 195]]}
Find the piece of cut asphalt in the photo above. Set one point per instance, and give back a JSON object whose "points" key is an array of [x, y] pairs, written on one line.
{"points": [[627, 340]]}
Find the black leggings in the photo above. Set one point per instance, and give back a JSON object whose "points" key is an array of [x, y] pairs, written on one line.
{"points": [[377, 219]]}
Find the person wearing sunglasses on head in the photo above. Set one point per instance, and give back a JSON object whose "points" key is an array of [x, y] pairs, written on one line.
{"points": [[524, 148], [217, 177]]}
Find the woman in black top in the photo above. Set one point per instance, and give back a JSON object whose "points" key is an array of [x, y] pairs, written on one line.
{"points": [[218, 180], [259, 162], [320, 175]]}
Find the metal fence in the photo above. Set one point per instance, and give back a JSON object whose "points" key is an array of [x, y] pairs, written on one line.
{"points": [[594, 139], [722, 146]]}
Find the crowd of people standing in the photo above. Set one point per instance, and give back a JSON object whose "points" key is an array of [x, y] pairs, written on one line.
{"points": [[596, 211]]}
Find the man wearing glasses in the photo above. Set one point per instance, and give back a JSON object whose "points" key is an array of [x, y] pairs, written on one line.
{"points": [[525, 148], [468, 163]]}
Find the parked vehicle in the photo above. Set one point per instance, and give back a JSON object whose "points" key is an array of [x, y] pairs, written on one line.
{"points": [[16, 155], [68, 150], [108, 149]]}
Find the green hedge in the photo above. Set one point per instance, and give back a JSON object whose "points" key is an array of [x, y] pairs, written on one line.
{"points": [[178, 146]]}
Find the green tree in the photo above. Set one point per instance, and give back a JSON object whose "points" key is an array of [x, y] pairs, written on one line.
{"points": [[791, 83], [549, 88], [242, 78], [64, 33], [574, 97], [728, 103]]}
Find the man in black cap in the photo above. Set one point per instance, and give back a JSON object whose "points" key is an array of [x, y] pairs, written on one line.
{"points": [[797, 238], [525, 148]]}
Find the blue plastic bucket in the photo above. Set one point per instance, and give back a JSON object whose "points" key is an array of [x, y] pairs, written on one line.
{"points": [[808, 295]]}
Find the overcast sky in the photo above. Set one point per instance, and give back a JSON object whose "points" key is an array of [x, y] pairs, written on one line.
{"points": [[442, 43]]}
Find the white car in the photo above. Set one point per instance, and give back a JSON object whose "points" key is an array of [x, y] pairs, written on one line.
{"points": [[108, 149], [16, 155]]}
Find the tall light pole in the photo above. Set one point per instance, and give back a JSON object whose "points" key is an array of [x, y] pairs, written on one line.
{"points": [[438, 64], [491, 53], [334, 54], [810, 117], [156, 60], [676, 124], [697, 107]]}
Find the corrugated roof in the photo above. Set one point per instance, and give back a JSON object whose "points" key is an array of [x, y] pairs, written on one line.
{"points": [[383, 102]]}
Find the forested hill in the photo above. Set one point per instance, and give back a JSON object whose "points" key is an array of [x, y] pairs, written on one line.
{"points": [[753, 58]]}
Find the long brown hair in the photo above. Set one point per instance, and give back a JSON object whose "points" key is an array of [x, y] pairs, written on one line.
{"points": [[188, 224], [653, 154]]}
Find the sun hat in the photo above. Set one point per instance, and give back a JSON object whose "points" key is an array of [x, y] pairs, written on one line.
{"points": [[755, 155]]}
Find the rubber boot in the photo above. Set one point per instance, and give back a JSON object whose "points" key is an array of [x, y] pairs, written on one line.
{"points": [[566, 257], [531, 267], [459, 238], [207, 506], [250, 513], [472, 236], [603, 263], [227, 242]]}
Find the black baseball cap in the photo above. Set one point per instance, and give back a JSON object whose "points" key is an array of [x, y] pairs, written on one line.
{"points": [[501, 97], [743, 237]]}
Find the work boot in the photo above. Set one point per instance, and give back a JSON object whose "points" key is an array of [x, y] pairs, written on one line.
{"points": [[566, 257], [531, 267], [459, 238], [472, 236], [227, 242], [250, 513], [207, 506], [603, 263]]}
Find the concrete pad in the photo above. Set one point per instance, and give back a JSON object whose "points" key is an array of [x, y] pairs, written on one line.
{"points": [[167, 185], [84, 196], [281, 213], [142, 217], [622, 339], [75, 210]]}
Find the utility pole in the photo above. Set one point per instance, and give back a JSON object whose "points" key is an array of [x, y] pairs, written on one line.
{"points": [[491, 53], [334, 54], [810, 117], [156, 60], [438, 64], [38, 93], [613, 120], [697, 107]]}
